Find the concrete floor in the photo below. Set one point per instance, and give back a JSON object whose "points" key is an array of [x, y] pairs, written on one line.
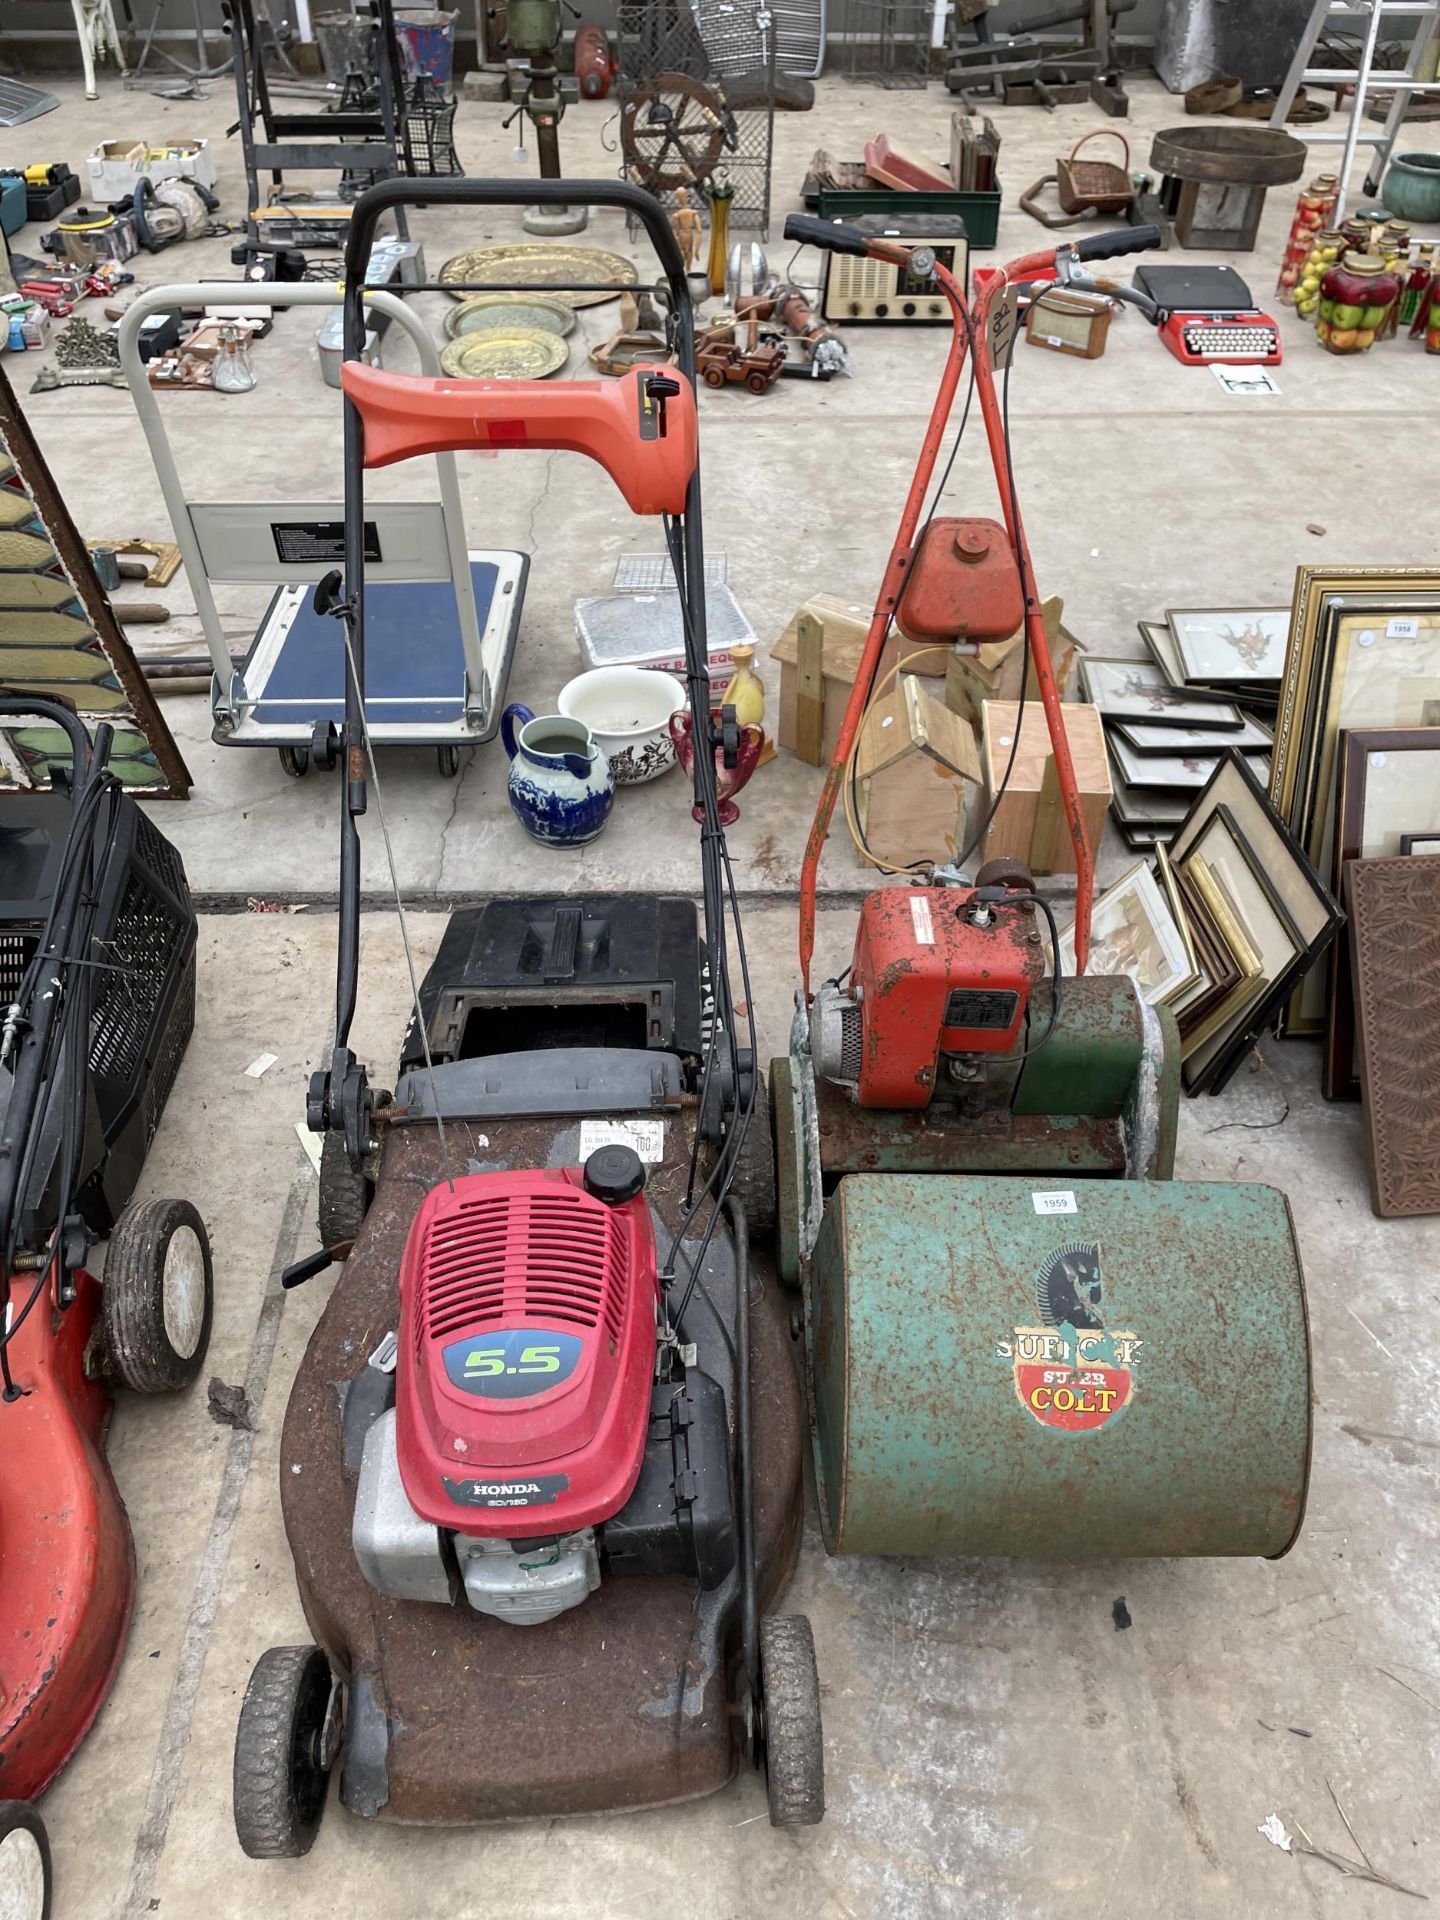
{"points": [[995, 1747]]}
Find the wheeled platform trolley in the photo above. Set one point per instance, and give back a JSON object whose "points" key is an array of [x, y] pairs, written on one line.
{"points": [[442, 619]]}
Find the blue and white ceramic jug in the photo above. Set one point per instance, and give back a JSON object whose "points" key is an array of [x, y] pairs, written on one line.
{"points": [[561, 785]]}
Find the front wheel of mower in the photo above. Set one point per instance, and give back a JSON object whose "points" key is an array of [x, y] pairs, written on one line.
{"points": [[284, 1749], [295, 761], [345, 1195], [25, 1876], [794, 1746], [158, 1296]]}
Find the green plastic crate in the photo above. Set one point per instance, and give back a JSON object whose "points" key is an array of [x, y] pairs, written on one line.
{"points": [[979, 211]]}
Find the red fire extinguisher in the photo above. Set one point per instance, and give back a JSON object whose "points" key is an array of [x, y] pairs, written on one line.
{"points": [[594, 66]]}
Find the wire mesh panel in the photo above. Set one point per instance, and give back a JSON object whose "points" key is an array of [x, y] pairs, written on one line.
{"points": [[887, 42], [697, 101]]}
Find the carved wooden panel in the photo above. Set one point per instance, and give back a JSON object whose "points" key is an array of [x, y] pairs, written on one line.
{"points": [[1395, 947]]}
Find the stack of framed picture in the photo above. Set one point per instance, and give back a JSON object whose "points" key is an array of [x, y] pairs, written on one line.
{"points": [[1363, 661], [1211, 685], [1221, 928]]}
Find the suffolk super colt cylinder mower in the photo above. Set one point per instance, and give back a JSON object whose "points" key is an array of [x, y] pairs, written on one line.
{"points": [[1024, 1336], [97, 983], [532, 1537]]}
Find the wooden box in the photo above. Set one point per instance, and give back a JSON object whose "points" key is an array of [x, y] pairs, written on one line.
{"points": [[992, 672], [912, 765], [1029, 822], [822, 681]]}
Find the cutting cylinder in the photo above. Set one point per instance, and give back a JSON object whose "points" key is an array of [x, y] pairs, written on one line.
{"points": [[1009, 1366]]}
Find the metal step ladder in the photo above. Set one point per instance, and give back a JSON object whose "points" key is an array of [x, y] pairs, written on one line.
{"points": [[1364, 79]]}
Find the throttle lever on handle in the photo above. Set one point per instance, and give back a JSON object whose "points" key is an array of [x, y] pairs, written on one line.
{"points": [[326, 597]]}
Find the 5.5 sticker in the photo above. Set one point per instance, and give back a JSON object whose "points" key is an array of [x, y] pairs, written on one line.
{"points": [[512, 1363]]}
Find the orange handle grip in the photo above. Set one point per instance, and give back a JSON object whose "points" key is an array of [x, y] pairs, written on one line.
{"points": [[648, 447]]}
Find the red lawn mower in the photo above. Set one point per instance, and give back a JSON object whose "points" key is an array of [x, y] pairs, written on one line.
{"points": [[533, 1539], [97, 981]]}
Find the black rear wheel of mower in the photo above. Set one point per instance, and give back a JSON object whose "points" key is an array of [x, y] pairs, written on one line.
{"points": [[295, 761], [284, 1750], [157, 1298], [26, 1885], [345, 1195], [794, 1746]]}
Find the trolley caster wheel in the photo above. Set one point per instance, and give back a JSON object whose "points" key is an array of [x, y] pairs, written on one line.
{"points": [[295, 761], [345, 1195], [285, 1746], [25, 1878], [158, 1297], [793, 1747], [448, 761]]}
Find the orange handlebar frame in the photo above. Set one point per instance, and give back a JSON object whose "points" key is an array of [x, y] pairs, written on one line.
{"points": [[648, 448]]}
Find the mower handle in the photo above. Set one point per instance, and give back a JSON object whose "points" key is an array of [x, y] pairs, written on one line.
{"points": [[807, 230], [1109, 246]]}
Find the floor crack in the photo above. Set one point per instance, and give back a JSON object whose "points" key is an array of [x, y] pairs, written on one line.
{"points": [[540, 499]]}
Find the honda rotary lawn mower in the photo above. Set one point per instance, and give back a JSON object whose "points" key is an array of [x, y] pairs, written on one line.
{"points": [[532, 1537], [97, 978], [1024, 1336]]}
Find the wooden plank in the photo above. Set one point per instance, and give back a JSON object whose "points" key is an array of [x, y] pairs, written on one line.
{"points": [[810, 690]]}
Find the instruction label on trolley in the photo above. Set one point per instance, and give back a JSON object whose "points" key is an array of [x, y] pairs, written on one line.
{"points": [[303, 543], [647, 1137]]}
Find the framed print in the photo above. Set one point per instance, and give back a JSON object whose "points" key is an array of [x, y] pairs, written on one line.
{"points": [[1292, 877], [1170, 887], [1174, 771], [1161, 641], [1138, 690], [1245, 963], [1252, 737], [1375, 664], [1132, 931], [1144, 806], [1219, 644], [1315, 587], [1389, 783], [1423, 843]]}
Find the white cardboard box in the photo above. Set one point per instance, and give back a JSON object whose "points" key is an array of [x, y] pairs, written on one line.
{"points": [[116, 166]]}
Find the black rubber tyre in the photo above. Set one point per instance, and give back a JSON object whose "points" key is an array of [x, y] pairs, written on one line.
{"points": [[754, 1183], [448, 761], [158, 1296], [345, 1195], [26, 1883], [295, 761], [794, 1747], [279, 1781]]}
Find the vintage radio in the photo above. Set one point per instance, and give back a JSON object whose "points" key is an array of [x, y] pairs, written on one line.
{"points": [[1207, 317], [864, 289], [1069, 322]]}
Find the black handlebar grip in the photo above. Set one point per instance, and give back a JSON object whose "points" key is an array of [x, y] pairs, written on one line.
{"points": [[1106, 246], [832, 234]]}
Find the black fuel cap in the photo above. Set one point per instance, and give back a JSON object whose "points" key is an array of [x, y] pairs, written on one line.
{"points": [[614, 1174]]}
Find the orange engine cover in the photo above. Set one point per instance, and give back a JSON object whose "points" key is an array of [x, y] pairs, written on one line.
{"points": [[964, 584], [929, 982]]}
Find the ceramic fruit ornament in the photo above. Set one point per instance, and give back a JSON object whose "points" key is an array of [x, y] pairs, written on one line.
{"points": [[742, 743]]}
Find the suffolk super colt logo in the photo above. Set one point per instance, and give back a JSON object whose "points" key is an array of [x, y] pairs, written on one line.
{"points": [[1072, 1372]]}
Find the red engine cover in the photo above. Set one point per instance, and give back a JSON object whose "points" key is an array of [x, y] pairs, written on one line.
{"points": [[527, 1344], [931, 982], [964, 584]]}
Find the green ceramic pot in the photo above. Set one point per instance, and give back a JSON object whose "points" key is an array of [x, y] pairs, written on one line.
{"points": [[1412, 186]]}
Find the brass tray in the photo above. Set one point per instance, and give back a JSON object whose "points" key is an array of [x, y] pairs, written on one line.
{"points": [[530, 312], [493, 354], [542, 262]]}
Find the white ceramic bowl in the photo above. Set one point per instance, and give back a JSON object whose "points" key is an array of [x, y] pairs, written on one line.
{"points": [[626, 709]]}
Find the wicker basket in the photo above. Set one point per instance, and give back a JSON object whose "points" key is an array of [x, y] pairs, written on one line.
{"points": [[1095, 185]]}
